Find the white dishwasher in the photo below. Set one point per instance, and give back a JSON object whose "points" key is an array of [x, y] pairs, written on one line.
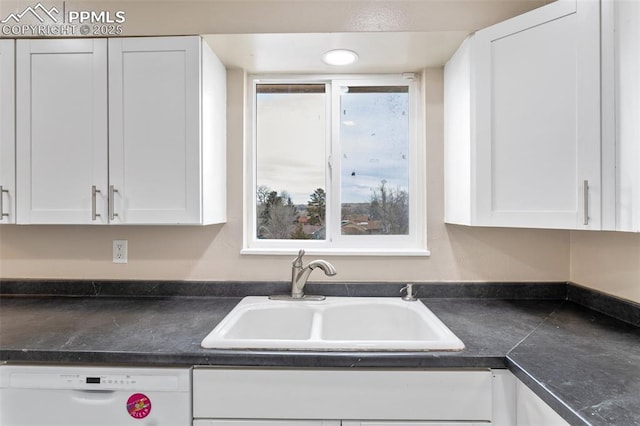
{"points": [[94, 396]]}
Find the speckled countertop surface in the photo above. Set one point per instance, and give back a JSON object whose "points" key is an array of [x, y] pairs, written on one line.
{"points": [[584, 364]]}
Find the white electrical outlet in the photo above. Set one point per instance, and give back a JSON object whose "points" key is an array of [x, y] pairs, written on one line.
{"points": [[120, 251]]}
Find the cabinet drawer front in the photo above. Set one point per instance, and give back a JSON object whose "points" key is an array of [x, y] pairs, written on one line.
{"points": [[342, 394]]}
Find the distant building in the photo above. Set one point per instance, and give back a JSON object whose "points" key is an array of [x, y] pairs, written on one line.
{"points": [[361, 227]]}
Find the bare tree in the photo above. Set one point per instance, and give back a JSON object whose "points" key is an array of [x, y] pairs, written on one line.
{"points": [[276, 215], [391, 208]]}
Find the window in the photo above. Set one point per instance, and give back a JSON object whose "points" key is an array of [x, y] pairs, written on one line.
{"points": [[335, 166]]}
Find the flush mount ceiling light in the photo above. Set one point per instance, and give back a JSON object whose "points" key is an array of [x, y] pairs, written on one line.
{"points": [[340, 57]]}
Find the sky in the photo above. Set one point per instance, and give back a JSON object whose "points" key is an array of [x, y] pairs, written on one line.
{"points": [[374, 142], [292, 137], [291, 143]]}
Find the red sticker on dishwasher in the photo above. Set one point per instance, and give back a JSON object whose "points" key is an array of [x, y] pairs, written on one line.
{"points": [[138, 406]]}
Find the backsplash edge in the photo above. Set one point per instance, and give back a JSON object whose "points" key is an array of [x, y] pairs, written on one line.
{"points": [[170, 288], [621, 309]]}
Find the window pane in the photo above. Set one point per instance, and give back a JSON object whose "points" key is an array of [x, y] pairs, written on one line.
{"points": [[290, 163], [374, 139]]}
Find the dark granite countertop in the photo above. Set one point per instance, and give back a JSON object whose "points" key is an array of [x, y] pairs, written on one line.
{"points": [[584, 364]]}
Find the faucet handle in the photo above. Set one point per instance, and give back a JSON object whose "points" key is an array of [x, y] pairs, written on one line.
{"points": [[298, 260]]}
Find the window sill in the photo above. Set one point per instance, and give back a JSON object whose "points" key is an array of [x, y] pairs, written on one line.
{"points": [[337, 252]]}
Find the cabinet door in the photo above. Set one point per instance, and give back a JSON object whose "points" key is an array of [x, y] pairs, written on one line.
{"points": [[294, 394], [61, 131], [154, 130], [537, 115], [533, 411], [207, 422], [384, 423], [627, 113], [7, 133]]}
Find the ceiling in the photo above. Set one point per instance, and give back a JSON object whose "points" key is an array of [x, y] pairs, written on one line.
{"points": [[277, 36], [390, 36], [379, 52]]}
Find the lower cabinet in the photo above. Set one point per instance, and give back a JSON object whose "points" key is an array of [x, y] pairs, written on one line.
{"points": [[323, 423], [347, 397], [385, 423], [266, 422], [333, 397], [533, 411]]}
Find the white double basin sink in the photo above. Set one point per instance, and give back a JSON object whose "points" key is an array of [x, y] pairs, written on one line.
{"points": [[336, 323]]}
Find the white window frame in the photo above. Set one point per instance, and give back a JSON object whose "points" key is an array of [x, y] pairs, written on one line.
{"points": [[413, 244]]}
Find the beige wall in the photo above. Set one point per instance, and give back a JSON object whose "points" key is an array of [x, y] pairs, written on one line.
{"points": [[604, 261], [212, 253], [607, 261]]}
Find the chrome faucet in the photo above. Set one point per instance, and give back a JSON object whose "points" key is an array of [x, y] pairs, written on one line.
{"points": [[300, 274]]}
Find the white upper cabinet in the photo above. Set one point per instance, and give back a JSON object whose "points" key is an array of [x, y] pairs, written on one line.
{"points": [[7, 133], [522, 122], [61, 131], [167, 131], [164, 113], [621, 112]]}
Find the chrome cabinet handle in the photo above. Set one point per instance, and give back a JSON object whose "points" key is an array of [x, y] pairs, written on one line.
{"points": [[2, 213], [585, 200], [94, 213], [112, 213]]}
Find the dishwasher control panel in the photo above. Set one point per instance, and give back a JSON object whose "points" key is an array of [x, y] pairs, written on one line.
{"points": [[92, 380]]}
